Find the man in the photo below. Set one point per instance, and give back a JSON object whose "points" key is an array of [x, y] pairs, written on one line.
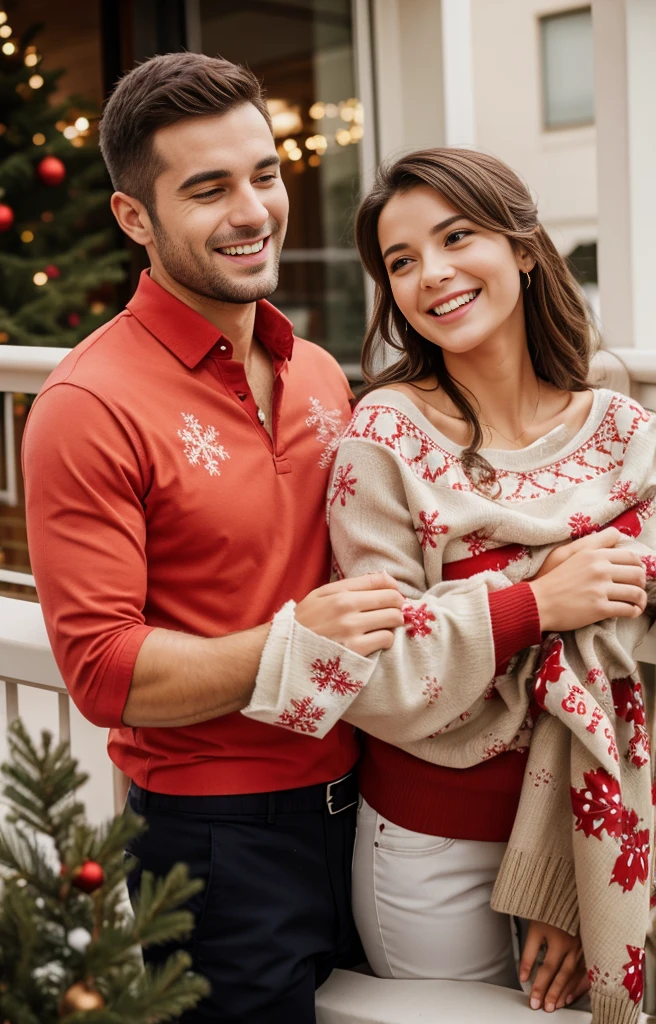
{"points": [[176, 466]]}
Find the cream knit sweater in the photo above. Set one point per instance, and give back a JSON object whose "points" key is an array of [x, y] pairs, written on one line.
{"points": [[579, 854]]}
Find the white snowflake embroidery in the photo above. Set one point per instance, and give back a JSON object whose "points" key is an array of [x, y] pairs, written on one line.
{"points": [[329, 429], [200, 445]]}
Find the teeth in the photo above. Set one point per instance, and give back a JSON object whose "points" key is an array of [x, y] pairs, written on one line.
{"points": [[447, 307], [243, 250]]}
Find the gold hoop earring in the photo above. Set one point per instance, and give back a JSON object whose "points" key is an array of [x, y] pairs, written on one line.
{"points": [[528, 280]]}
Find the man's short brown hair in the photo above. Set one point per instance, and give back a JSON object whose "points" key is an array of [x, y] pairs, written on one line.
{"points": [[158, 93]]}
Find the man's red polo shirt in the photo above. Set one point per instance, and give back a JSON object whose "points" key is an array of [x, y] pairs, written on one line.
{"points": [[156, 498]]}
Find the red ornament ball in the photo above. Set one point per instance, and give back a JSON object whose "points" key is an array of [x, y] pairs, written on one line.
{"points": [[6, 217], [51, 171], [73, 319], [52, 271], [89, 877]]}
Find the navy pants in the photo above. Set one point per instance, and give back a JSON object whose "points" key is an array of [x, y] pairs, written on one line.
{"points": [[274, 917]]}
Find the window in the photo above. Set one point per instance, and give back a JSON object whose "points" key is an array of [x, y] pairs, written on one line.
{"points": [[303, 52], [567, 69]]}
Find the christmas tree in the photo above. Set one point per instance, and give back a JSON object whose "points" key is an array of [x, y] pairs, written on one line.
{"points": [[68, 939], [58, 244]]}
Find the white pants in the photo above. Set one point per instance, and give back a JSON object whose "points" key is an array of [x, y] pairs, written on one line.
{"points": [[422, 905]]}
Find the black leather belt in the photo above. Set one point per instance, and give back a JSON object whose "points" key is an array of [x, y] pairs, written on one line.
{"points": [[333, 797]]}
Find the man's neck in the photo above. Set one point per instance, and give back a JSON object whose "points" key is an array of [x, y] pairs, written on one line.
{"points": [[235, 320]]}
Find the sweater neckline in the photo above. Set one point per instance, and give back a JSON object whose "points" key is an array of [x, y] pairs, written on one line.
{"points": [[556, 444]]}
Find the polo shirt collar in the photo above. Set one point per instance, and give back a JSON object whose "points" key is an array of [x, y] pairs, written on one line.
{"points": [[190, 337]]}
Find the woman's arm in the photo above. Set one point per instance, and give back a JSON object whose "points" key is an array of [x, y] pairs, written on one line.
{"points": [[448, 638]]}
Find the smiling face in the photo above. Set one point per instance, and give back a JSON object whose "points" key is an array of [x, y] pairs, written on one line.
{"points": [[456, 283], [221, 207]]}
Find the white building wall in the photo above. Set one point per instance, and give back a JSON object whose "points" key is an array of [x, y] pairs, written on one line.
{"points": [[559, 165]]}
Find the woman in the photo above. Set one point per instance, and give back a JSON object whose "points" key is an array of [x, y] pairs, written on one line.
{"points": [[467, 462]]}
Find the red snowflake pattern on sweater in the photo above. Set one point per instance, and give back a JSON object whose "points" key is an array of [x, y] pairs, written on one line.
{"points": [[302, 717], [623, 491], [428, 529], [493, 749], [343, 484], [541, 777], [602, 453], [634, 978], [639, 747], [476, 542], [417, 620], [581, 525], [627, 699], [549, 671], [598, 807], [432, 689], [330, 675], [632, 865], [649, 562]]}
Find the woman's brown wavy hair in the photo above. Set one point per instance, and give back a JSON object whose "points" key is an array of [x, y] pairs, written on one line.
{"points": [[486, 191]]}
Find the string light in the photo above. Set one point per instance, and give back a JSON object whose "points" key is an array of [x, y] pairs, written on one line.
{"points": [[8, 49], [60, 125], [35, 82], [27, 236], [47, 216], [38, 139], [3, 17], [317, 111], [5, 31], [31, 60], [97, 308], [289, 144], [82, 124], [77, 141], [343, 137], [295, 154], [314, 160], [70, 131], [40, 278]]}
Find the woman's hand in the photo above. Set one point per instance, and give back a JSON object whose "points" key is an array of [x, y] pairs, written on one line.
{"points": [[588, 580], [562, 977]]}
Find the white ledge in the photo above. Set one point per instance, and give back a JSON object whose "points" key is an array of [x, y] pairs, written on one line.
{"points": [[25, 655]]}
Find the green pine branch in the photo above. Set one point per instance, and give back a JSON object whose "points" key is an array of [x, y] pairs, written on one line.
{"points": [[43, 845]]}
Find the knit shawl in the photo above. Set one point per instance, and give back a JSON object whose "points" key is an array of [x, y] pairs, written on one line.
{"points": [[579, 853]]}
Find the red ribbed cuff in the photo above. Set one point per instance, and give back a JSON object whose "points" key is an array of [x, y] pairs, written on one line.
{"points": [[515, 623]]}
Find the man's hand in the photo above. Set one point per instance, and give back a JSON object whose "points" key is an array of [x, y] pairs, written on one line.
{"points": [[588, 580], [561, 978], [360, 613]]}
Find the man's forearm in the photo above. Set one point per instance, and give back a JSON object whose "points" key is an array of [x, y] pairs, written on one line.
{"points": [[180, 679]]}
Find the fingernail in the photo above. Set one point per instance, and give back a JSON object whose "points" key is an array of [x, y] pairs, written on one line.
{"points": [[523, 974], [535, 1003], [549, 1007], [570, 999]]}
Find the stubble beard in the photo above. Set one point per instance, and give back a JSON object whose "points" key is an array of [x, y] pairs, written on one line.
{"points": [[200, 275]]}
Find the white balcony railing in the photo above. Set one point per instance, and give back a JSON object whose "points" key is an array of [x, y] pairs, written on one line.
{"points": [[34, 688]]}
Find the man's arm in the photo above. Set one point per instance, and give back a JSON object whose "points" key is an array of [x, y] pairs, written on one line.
{"points": [[180, 679], [85, 477]]}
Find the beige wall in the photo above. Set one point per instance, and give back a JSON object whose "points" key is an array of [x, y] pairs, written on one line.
{"points": [[559, 166]]}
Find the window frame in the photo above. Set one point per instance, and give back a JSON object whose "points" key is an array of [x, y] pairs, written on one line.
{"points": [[545, 127]]}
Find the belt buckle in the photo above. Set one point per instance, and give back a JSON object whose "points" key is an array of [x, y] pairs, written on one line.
{"points": [[329, 796]]}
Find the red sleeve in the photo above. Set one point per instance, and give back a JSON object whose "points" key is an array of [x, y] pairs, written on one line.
{"points": [[87, 534], [515, 622]]}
